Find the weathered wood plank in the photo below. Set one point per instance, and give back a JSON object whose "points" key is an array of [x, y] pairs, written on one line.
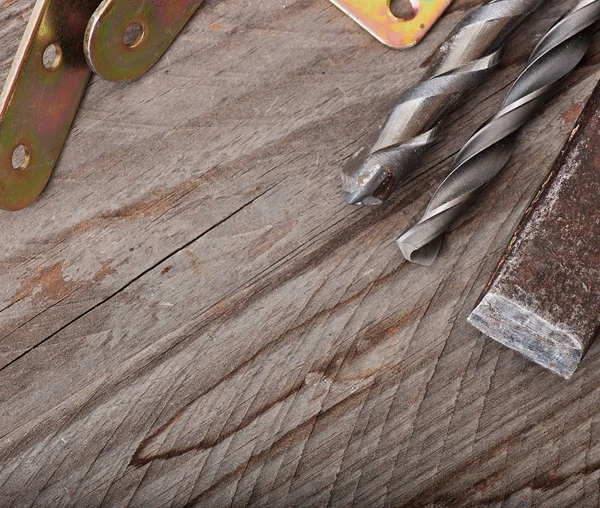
{"points": [[192, 315]]}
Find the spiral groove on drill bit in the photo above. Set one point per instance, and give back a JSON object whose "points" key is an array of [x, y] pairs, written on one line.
{"points": [[489, 149], [462, 63]]}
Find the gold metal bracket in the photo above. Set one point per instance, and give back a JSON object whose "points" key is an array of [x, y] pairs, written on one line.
{"points": [[40, 98], [376, 17], [152, 26], [50, 73]]}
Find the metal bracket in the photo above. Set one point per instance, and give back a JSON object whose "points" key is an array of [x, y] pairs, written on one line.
{"points": [[50, 73], [40, 98], [376, 17], [153, 25]]}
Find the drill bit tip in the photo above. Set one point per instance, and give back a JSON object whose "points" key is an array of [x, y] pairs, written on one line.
{"points": [[370, 178]]}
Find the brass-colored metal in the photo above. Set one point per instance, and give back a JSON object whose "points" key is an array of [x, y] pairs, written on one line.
{"points": [[115, 59], [40, 98], [376, 17]]}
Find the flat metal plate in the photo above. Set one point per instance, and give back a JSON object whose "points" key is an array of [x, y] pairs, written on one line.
{"points": [[39, 101], [376, 17], [106, 49]]}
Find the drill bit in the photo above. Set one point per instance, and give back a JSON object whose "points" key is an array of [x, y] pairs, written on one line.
{"points": [[463, 62], [486, 153]]}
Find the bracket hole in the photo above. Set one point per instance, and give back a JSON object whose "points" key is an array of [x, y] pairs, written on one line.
{"points": [[403, 9], [21, 158], [52, 57], [133, 35]]}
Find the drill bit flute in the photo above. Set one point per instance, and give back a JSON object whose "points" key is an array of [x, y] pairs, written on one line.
{"points": [[462, 63], [486, 153]]}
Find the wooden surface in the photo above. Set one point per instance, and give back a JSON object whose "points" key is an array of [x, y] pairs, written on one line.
{"points": [[191, 316]]}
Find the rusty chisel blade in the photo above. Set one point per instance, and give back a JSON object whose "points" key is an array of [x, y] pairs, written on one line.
{"points": [[544, 298]]}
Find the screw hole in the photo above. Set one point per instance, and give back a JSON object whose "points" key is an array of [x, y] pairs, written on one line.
{"points": [[21, 158], [133, 35], [52, 57], [403, 9]]}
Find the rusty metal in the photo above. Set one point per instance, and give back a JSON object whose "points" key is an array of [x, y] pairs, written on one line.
{"points": [[544, 297], [40, 98], [376, 17], [157, 22]]}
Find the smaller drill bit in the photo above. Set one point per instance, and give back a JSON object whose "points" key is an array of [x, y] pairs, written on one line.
{"points": [[463, 62], [487, 152]]}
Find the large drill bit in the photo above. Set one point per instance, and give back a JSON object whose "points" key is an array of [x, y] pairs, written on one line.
{"points": [[486, 153], [462, 63]]}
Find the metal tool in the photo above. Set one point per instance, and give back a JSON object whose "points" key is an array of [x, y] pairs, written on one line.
{"points": [[463, 62], [377, 18], [544, 297], [486, 153], [49, 75]]}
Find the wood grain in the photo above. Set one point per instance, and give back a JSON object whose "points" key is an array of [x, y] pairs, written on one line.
{"points": [[190, 315]]}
